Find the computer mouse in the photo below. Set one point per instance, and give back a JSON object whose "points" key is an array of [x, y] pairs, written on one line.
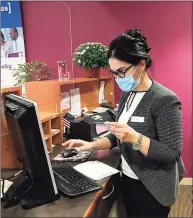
{"points": [[69, 153]]}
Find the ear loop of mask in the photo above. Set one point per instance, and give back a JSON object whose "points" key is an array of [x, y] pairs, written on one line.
{"points": [[140, 73], [139, 79]]}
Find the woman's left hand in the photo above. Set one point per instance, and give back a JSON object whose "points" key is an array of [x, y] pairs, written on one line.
{"points": [[123, 132]]}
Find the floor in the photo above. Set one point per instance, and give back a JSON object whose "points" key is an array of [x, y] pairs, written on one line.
{"points": [[183, 207]]}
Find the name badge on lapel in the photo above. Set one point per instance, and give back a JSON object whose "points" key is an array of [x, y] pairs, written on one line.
{"points": [[137, 119]]}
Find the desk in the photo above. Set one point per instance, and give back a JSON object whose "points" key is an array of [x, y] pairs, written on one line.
{"points": [[90, 205]]}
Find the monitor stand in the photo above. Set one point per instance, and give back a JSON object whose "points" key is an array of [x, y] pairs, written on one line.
{"points": [[30, 192], [17, 190]]}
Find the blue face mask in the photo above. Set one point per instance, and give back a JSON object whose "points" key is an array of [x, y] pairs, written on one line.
{"points": [[128, 84]]}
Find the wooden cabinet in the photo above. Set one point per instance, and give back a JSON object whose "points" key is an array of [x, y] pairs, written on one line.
{"points": [[52, 129], [8, 154], [51, 124], [108, 198], [47, 94]]}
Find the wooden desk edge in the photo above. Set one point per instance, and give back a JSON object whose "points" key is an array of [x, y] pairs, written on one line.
{"points": [[93, 204], [11, 89]]}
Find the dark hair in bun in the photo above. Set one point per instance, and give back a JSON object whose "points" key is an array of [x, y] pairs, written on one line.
{"points": [[131, 47]]}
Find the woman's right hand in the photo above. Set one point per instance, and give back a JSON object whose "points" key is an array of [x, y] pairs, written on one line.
{"points": [[78, 144]]}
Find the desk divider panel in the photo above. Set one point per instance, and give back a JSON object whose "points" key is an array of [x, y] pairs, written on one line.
{"points": [[8, 146], [47, 94]]}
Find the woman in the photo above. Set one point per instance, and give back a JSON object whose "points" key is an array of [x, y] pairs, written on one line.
{"points": [[148, 131], [6, 47]]}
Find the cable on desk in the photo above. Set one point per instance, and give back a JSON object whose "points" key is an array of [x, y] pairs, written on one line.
{"points": [[3, 185], [108, 195]]}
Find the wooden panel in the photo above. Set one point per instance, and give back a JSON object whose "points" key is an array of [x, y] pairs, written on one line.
{"points": [[104, 206], [95, 201], [109, 91], [45, 116], [49, 144], [83, 80], [77, 80], [8, 158], [7, 91], [45, 93], [4, 125], [57, 139], [11, 89], [48, 93], [46, 128], [49, 108], [56, 123], [88, 93]]}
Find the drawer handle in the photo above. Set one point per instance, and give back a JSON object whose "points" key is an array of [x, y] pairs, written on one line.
{"points": [[108, 195]]}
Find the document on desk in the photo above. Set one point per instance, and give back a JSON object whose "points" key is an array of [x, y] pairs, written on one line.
{"points": [[75, 102], [7, 184], [65, 102], [100, 109], [95, 170], [101, 92]]}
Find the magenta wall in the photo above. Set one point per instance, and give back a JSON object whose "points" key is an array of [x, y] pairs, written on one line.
{"points": [[47, 33], [166, 24]]}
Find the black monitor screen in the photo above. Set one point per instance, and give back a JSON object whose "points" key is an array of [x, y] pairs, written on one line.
{"points": [[30, 146]]}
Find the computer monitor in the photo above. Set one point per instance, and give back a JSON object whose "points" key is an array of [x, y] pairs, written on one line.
{"points": [[36, 185]]}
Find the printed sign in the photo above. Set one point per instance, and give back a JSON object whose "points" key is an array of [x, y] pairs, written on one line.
{"points": [[12, 41]]}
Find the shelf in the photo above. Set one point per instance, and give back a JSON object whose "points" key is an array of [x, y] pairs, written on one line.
{"points": [[75, 80], [46, 128], [55, 131], [52, 129], [11, 89], [49, 145], [105, 77], [46, 137], [56, 123], [45, 116], [57, 139], [83, 80]]}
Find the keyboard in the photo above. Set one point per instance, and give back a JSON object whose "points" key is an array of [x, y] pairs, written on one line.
{"points": [[70, 182]]}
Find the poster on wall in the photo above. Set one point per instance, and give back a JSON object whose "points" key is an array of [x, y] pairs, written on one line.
{"points": [[12, 41]]}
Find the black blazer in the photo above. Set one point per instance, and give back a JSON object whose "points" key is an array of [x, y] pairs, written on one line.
{"points": [[162, 169]]}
